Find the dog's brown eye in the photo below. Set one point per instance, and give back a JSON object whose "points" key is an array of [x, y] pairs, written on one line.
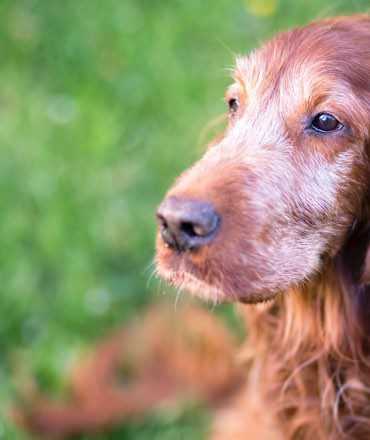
{"points": [[233, 104], [325, 122]]}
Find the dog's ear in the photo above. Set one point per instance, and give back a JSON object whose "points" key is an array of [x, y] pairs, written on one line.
{"points": [[353, 273], [362, 244], [354, 258], [365, 275]]}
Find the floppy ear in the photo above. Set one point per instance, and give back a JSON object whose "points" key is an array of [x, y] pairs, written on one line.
{"points": [[365, 276], [354, 258], [353, 273], [363, 246]]}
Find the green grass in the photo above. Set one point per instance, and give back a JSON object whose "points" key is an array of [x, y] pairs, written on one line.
{"points": [[101, 106]]}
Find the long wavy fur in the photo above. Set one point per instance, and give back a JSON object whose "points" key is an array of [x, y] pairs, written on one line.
{"points": [[315, 352]]}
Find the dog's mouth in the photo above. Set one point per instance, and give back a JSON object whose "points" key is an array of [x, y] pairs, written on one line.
{"points": [[190, 271], [185, 280], [203, 277]]}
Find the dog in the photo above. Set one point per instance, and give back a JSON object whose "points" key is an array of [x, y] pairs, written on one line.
{"points": [[275, 217]]}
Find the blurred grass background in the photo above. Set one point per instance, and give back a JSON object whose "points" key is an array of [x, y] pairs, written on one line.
{"points": [[101, 106]]}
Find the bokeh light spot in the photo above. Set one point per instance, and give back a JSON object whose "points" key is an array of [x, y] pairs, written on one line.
{"points": [[262, 8]]}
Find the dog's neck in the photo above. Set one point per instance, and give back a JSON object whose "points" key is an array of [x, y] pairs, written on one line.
{"points": [[312, 353]]}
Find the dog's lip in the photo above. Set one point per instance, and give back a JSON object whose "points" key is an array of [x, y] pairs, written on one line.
{"points": [[171, 261], [187, 280], [201, 288], [173, 274], [180, 272], [184, 278]]}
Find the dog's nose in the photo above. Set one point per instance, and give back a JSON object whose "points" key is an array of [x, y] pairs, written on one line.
{"points": [[187, 224]]}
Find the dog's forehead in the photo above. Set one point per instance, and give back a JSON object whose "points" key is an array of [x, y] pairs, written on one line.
{"points": [[281, 68]]}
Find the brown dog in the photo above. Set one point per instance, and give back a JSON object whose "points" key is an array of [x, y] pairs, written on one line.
{"points": [[278, 210]]}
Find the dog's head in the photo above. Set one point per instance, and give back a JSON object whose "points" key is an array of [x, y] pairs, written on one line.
{"points": [[269, 203]]}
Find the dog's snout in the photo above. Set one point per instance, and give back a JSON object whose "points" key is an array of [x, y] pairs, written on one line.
{"points": [[187, 224]]}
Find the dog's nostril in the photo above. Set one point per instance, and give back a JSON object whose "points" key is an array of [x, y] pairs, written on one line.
{"points": [[197, 229], [189, 229], [194, 230], [187, 224]]}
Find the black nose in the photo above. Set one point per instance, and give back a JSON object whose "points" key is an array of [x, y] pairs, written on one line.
{"points": [[187, 224]]}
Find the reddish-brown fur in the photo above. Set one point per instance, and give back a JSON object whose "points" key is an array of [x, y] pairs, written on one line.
{"points": [[294, 209]]}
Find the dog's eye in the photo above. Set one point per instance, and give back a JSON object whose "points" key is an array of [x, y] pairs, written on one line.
{"points": [[325, 122], [233, 104]]}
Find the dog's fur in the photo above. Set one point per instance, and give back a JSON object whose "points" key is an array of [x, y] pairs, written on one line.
{"points": [[294, 207]]}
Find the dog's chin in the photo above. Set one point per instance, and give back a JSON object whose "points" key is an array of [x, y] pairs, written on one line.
{"points": [[187, 281]]}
